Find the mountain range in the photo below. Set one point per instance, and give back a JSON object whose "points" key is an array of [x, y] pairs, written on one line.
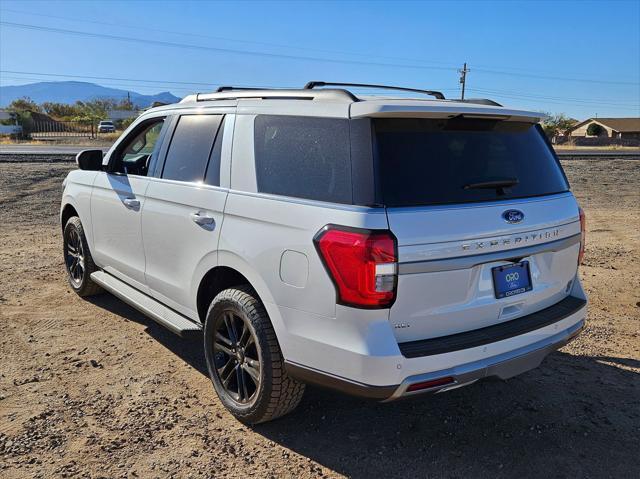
{"points": [[71, 91]]}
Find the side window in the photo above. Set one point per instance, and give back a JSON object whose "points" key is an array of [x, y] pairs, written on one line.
{"points": [[303, 157], [212, 177], [191, 147], [136, 151]]}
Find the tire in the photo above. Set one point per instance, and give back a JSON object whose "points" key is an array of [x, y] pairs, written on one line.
{"points": [[237, 312], [77, 259]]}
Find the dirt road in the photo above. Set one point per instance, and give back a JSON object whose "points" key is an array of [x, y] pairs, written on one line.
{"points": [[94, 389]]}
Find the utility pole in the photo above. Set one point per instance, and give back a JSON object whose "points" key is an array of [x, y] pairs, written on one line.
{"points": [[463, 78]]}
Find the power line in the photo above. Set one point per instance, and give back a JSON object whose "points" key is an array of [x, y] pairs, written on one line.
{"points": [[158, 83], [547, 77], [546, 97], [212, 37], [105, 84], [109, 83], [482, 68], [529, 99], [163, 82], [146, 83], [215, 49], [301, 57]]}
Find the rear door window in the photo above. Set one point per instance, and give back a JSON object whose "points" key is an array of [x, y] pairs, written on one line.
{"points": [[190, 148], [212, 175], [427, 162], [303, 157]]}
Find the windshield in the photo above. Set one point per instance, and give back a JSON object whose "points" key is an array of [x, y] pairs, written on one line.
{"points": [[427, 161]]}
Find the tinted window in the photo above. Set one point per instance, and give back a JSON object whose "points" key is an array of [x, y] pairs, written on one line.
{"points": [[190, 147], [422, 162], [303, 157], [137, 149], [212, 176]]}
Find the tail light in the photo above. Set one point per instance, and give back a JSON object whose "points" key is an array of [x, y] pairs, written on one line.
{"points": [[583, 233], [362, 264]]}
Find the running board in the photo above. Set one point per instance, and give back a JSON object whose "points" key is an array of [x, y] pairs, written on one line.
{"points": [[174, 322]]}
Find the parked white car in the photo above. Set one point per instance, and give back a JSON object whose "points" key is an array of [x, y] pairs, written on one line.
{"points": [[106, 126], [382, 246]]}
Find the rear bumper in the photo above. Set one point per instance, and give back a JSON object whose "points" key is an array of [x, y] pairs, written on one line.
{"points": [[503, 366], [567, 323]]}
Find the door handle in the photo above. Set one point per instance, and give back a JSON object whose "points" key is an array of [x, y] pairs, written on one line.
{"points": [[131, 203], [202, 220]]}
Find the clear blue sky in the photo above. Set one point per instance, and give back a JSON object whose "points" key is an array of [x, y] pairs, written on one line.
{"points": [[524, 54]]}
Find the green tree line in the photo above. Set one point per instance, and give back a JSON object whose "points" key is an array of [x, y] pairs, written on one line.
{"points": [[92, 111]]}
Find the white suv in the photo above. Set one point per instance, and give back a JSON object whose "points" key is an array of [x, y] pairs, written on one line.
{"points": [[382, 246]]}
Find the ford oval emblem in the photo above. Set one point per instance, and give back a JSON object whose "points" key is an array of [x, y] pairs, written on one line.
{"points": [[513, 216]]}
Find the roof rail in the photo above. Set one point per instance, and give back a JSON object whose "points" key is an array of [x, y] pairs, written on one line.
{"points": [[312, 84], [480, 101], [237, 88], [231, 93]]}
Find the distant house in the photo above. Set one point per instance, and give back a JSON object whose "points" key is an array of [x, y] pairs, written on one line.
{"points": [[621, 128]]}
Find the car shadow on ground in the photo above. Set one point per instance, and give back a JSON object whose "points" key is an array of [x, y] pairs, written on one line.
{"points": [[575, 416]]}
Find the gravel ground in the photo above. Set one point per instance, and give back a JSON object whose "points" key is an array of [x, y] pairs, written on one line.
{"points": [[94, 389]]}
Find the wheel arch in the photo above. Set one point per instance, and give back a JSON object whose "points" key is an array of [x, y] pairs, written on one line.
{"points": [[230, 271], [67, 211], [214, 281]]}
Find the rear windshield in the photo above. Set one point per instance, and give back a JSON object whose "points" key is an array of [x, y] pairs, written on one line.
{"points": [[427, 162]]}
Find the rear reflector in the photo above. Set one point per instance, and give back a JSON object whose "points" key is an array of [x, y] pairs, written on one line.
{"points": [[430, 384], [362, 264]]}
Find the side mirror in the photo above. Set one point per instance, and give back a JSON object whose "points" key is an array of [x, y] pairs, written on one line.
{"points": [[89, 160]]}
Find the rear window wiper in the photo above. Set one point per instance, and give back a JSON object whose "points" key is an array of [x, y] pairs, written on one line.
{"points": [[498, 184], [492, 184]]}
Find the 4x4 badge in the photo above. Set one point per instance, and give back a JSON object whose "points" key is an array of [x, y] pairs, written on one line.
{"points": [[513, 216]]}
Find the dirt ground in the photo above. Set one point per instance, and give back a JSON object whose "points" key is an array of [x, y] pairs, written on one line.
{"points": [[91, 388]]}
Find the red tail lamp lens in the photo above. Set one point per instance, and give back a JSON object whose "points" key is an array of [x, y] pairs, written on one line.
{"points": [[430, 384], [583, 238], [361, 263]]}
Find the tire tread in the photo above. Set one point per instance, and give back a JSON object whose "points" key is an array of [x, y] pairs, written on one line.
{"points": [[88, 288], [284, 393]]}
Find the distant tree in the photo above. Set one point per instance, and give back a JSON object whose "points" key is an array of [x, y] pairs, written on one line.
{"points": [[22, 109], [125, 104], [124, 123], [60, 111], [94, 110], [23, 104], [594, 130], [557, 124]]}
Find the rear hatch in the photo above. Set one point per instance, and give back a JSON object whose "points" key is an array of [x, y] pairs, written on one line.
{"points": [[486, 226]]}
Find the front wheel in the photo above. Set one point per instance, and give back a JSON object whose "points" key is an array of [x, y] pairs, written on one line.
{"points": [[244, 359], [78, 260]]}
